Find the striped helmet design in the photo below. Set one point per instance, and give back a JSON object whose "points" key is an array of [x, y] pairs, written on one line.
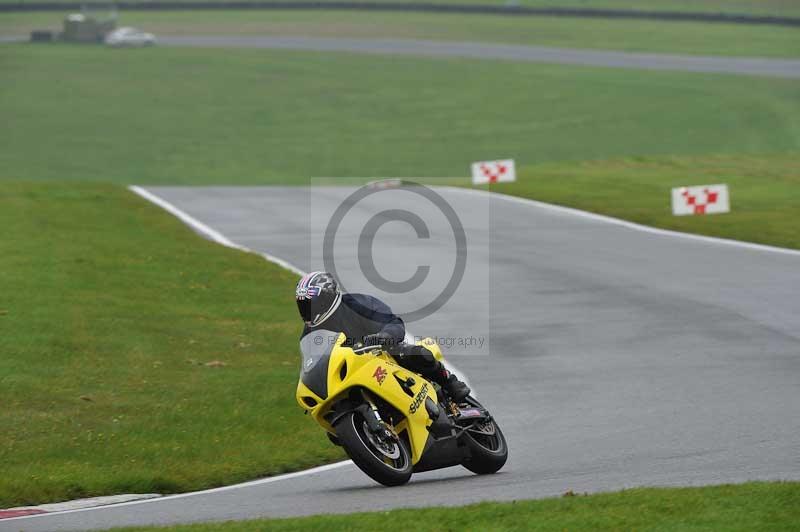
{"points": [[318, 296]]}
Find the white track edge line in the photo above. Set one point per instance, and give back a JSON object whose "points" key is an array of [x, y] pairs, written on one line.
{"points": [[625, 223], [212, 234], [258, 482], [86, 502]]}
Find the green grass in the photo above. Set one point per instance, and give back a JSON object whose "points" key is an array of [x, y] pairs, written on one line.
{"points": [[744, 507], [110, 310], [768, 7], [765, 192], [651, 36], [193, 116]]}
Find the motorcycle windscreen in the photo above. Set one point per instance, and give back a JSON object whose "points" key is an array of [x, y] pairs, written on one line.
{"points": [[316, 347]]}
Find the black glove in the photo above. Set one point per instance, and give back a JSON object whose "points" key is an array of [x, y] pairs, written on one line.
{"points": [[381, 339]]}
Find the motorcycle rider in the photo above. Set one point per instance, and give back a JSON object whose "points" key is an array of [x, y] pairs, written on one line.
{"points": [[366, 319]]}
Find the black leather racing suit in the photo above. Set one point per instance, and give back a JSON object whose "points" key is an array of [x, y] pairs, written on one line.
{"points": [[360, 315]]}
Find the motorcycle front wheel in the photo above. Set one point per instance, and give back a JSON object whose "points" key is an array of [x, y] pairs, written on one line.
{"points": [[388, 463]]}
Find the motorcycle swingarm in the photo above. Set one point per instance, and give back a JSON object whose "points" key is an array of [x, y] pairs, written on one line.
{"points": [[460, 430]]}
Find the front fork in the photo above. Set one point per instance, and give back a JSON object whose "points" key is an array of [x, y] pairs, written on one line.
{"points": [[376, 425]]}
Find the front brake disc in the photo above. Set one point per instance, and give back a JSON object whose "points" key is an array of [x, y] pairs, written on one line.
{"points": [[388, 449]]}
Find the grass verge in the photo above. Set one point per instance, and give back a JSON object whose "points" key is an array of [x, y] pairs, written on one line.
{"points": [[640, 35], [206, 116], [765, 192], [112, 316], [743, 507]]}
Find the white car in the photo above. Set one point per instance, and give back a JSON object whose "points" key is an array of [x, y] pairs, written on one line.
{"points": [[127, 36]]}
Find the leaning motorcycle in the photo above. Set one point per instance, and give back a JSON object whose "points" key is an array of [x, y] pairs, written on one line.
{"points": [[390, 421]]}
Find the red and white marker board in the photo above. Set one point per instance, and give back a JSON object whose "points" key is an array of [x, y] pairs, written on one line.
{"points": [[493, 172], [703, 199]]}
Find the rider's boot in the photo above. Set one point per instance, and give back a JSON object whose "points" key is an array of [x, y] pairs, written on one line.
{"points": [[456, 389], [420, 359]]}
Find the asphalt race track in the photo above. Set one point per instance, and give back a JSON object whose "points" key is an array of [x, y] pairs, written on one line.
{"points": [[618, 357], [750, 66], [782, 68]]}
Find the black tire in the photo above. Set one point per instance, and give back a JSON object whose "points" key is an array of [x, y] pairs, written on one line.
{"points": [[351, 431], [488, 453]]}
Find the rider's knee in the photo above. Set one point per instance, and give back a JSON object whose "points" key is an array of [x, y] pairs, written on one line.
{"points": [[420, 356]]}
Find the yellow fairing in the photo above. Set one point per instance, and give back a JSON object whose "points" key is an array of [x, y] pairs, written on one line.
{"points": [[377, 373]]}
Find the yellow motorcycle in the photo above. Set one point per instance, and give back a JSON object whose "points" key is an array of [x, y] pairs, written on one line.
{"points": [[390, 421]]}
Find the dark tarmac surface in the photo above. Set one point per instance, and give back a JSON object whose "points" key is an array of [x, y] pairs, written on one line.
{"points": [[782, 68]]}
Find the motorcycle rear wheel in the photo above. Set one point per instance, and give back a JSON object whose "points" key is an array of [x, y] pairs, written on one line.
{"points": [[488, 449], [388, 464]]}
